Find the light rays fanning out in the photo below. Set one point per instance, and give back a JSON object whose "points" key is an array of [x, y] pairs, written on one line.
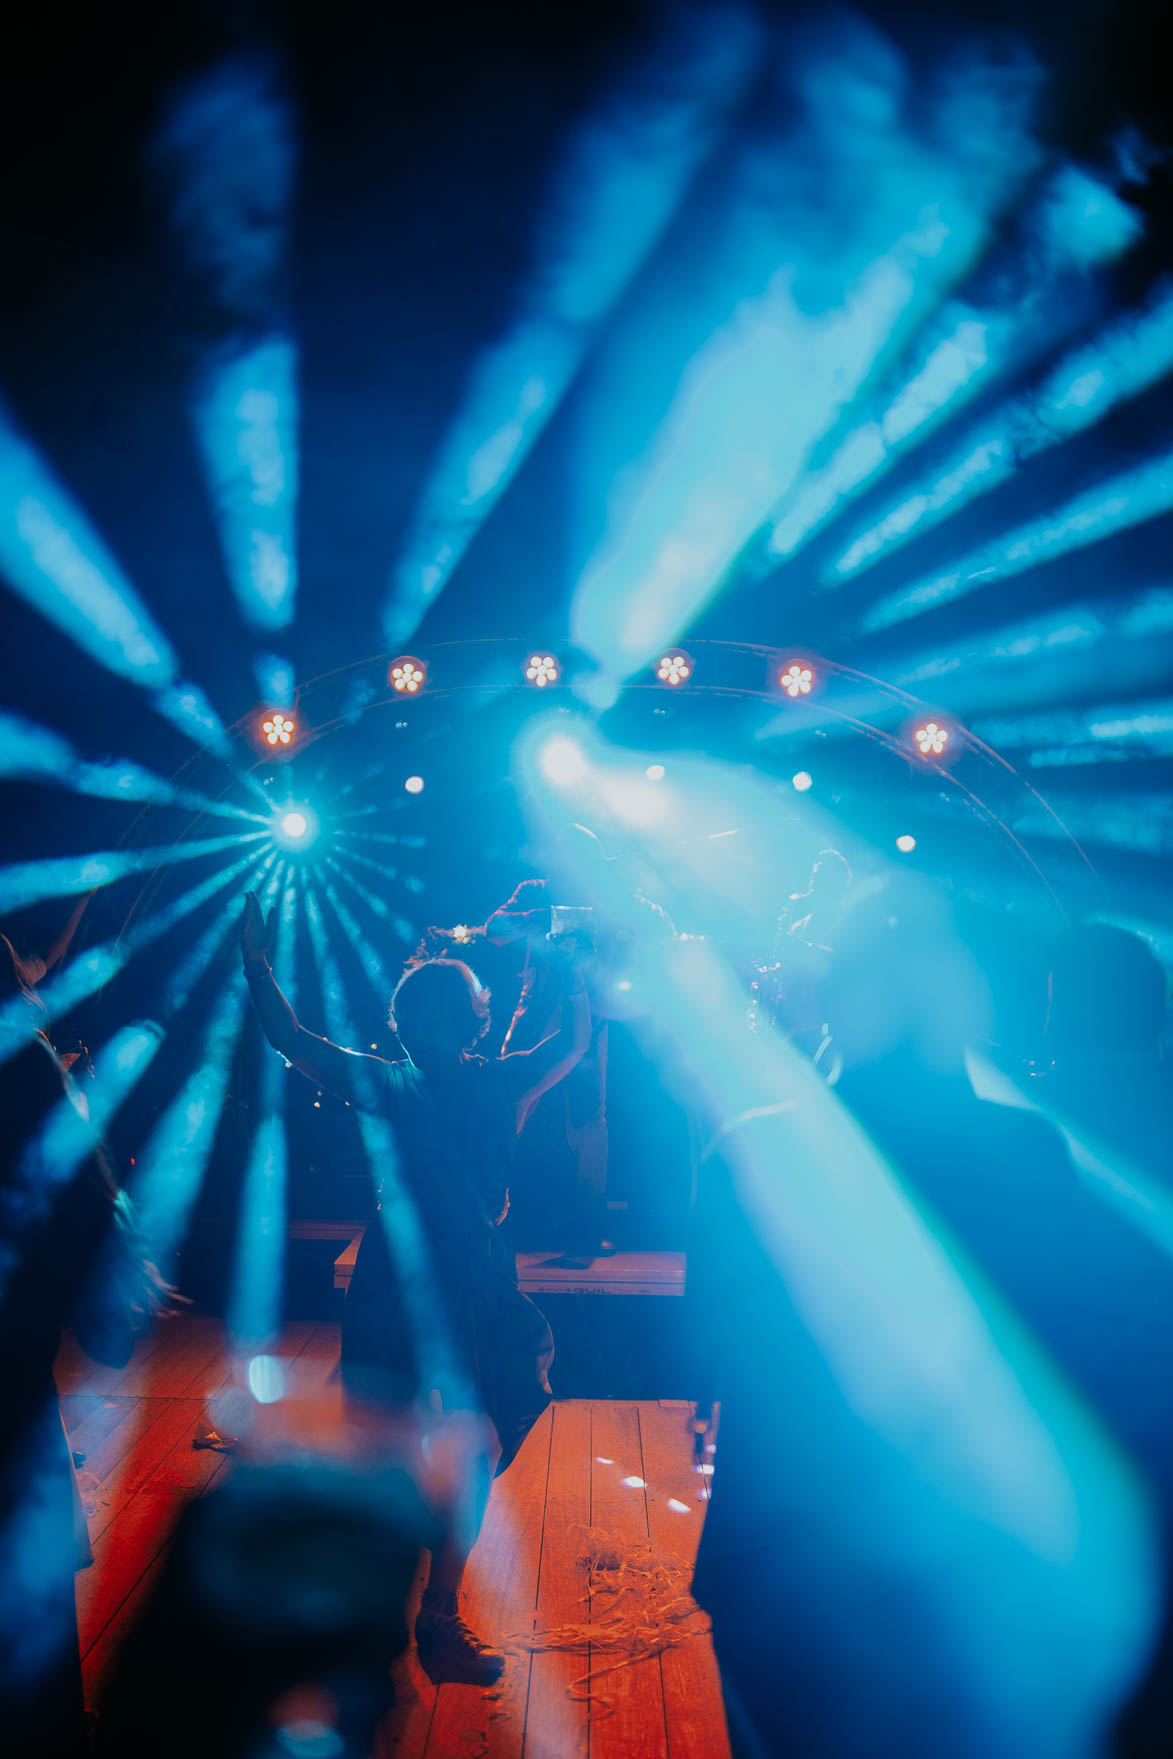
{"points": [[621, 175], [1125, 360], [34, 753], [28, 882], [790, 348], [53, 557]]}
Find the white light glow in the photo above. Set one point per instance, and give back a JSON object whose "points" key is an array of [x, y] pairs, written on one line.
{"points": [[563, 762]]}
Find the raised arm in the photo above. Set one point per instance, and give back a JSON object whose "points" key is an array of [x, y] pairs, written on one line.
{"points": [[530, 1073], [326, 1064], [525, 916]]}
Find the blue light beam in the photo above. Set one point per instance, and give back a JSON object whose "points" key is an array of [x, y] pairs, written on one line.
{"points": [[886, 229], [1132, 498], [397, 1211], [29, 882], [52, 556], [1079, 223], [621, 177], [255, 1302], [33, 753], [1125, 360], [170, 1167], [87, 974], [69, 1135]]}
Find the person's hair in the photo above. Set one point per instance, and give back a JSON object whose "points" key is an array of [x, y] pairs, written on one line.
{"points": [[445, 943], [440, 1000]]}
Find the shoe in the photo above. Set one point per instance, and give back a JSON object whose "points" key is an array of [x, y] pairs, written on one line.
{"points": [[450, 1653]]}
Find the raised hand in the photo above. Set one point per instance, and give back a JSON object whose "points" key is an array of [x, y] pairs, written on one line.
{"points": [[256, 932]]}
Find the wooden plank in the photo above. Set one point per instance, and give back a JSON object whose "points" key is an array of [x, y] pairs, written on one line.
{"points": [[192, 1343], [624, 1273], [500, 1595], [99, 1660], [318, 1230], [76, 1407], [87, 1434], [637, 1728], [345, 1261], [73, 1368], [152, 1344], [555, 1725], [694, 1709], [316, 1363], [161, 1424], [230, 1367], [122, 1556], [404, 1733], [101, 1654], [186, 1468]]}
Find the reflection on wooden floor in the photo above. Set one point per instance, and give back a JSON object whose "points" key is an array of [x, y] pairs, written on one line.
{"points": [[136, 1427]]}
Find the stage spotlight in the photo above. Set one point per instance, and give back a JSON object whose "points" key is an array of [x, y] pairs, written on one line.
{"points": [[414, 784], [801, 781], [562, 761], [295, 827], [407, 674], [932, 739], [674, 668], [542, 669], [655, 772], [462, 934], [906, 844], [278, 729], [796, 679]]}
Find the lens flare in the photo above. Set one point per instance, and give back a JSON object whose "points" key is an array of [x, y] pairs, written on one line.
{"points": [[563, 762]]}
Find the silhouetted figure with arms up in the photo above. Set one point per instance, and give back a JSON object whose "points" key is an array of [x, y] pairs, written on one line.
{"points": [[433, 1307]]}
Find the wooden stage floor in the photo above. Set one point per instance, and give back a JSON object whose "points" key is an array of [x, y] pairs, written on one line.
{"points": [[623, 1469]]}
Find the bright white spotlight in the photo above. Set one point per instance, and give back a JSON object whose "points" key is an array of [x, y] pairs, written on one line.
{"points": [[655, 772], [542, 669], [906, 844], [295, 828], [562, 761], [414, 784], [932, 739], [801, 781], [797, 679]]}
